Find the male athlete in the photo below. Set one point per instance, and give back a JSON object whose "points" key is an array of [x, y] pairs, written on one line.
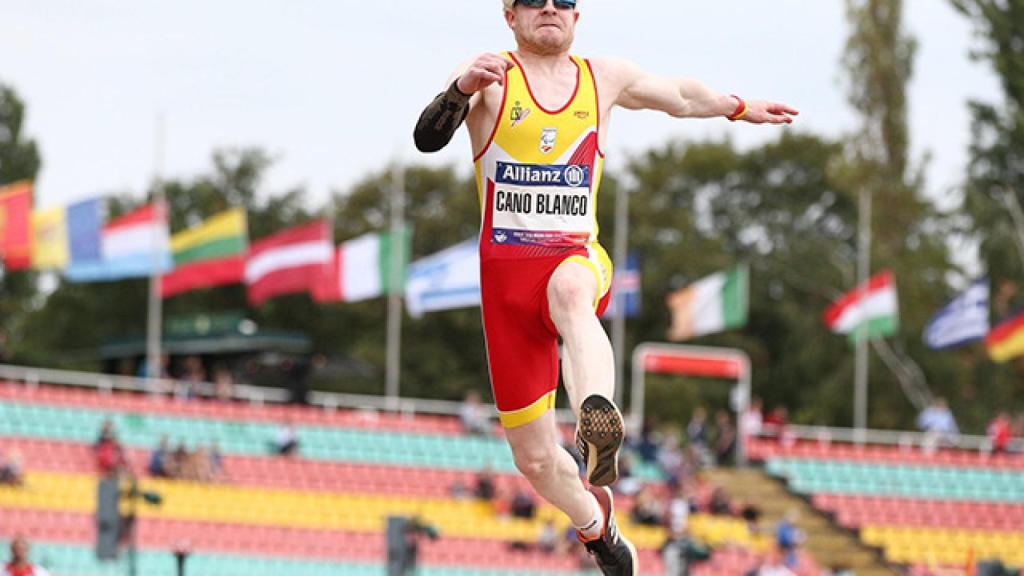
{"points": [[538, 120]]}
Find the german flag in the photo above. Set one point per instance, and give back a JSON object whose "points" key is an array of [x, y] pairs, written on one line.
{"points": [[1006, 340]]}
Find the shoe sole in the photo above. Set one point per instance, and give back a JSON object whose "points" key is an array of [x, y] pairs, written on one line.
{"points": [[601, 427]]}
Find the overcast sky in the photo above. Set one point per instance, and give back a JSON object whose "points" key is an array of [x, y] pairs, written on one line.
{"points": [[332, 88]]}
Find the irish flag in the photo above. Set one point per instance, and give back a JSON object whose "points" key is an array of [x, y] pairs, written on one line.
{"points": [[712, 304], [868, 311], [361, 268], [1006, 340], [210, 254]]}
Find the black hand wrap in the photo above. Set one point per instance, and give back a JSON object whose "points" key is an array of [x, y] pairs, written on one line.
{"points": [[441, 119]]}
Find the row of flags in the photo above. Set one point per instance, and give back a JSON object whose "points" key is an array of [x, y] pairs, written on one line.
{"points": [[75, 241], [303, 258]]}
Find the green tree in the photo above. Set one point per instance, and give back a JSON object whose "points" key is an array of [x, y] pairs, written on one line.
{"points": [[994, 183], [908, 235], [19, 160]]}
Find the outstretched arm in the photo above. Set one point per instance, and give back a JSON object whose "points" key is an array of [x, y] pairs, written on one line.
{"points": [[636, 89], [443, 116]]}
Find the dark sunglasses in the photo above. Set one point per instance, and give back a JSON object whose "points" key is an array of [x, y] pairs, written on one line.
{"points": [[560, 4]]}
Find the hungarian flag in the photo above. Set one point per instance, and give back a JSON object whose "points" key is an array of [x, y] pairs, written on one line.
{"points": [[293, 260], [1006, 340], [210, 254], [362, 268], [712, 304], [868, 311], [16, 225]]}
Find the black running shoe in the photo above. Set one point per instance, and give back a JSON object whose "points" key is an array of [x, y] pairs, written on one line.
{"points": [[614, 555], [599, 436]]}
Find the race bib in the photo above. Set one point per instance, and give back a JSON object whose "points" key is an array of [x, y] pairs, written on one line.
{"points": [[542, 204]]}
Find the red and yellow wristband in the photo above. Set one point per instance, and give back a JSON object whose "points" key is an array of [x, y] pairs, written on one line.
{"points": [[741, 109]]}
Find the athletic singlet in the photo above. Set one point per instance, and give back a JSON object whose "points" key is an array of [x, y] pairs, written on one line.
{"points": [[539, 173]]}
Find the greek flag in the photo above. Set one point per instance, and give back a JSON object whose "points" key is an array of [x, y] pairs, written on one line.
{"points": [[964, 319]]}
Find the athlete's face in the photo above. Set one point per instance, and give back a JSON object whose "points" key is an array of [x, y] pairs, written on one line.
{"points": [[544, 30]]}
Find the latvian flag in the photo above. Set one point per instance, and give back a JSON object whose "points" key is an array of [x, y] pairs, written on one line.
{"points": [[868, 311], [290, 261]]}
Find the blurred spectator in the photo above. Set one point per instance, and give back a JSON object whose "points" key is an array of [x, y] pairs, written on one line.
{"points": [[201, 468], [108, 451], [788, 538], [548, 539], [1000, 433], [679, 507], [627, 484], [647, 447], [523, 505], [720, 503], [725, 438], [19, 564], [752, 420], [216, 461], [192, 377], [777, 424], [647, 508], [286, 442], [472, 415], [680, 552], [697, 433], [182, 467], [223, 384], [165, 362], [10, 468], [772, 566], [751, 515], [484, 489], [160, 458], [937, 422]]}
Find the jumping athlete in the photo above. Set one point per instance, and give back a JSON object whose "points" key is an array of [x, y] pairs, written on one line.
{"points": [[538, 120]]}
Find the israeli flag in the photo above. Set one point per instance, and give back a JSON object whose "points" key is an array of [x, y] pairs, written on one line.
{"points": [[963, 320], [446, 280]]}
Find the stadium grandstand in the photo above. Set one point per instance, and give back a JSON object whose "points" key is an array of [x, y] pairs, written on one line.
{"points": [[254, 506]]}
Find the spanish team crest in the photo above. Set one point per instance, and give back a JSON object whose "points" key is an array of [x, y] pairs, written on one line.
{"points": [[547, 139]]}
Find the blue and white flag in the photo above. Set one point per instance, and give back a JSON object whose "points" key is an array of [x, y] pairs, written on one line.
{"points": [[626, 288], [963, 320], [446, 280]]}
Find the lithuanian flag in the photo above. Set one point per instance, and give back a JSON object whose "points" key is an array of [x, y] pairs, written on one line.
{"points": [[211, 254], [1006, 340]]}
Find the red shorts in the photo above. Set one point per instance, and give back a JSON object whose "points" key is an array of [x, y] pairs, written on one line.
{"points": [[521, 339]]}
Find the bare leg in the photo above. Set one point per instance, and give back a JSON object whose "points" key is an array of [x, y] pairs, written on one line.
{"points": [[550, 469], [587, 360]]}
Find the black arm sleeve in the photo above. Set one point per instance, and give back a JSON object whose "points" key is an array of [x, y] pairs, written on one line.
{"points": [[441, 119]]}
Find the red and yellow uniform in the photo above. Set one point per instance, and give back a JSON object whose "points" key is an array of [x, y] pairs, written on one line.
{"points": [[538, 178]]}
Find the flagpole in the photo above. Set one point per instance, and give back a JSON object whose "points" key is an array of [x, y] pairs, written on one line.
{"points": [[397, 249], [860, 388], [619, 319], [154, 324]]}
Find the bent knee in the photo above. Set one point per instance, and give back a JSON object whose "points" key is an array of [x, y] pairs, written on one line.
{"points": [[534, 461], [571, 293]]}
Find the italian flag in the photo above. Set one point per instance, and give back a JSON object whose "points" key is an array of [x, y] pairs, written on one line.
{"points": [[712, 304], [361, 269], [868, 311], [207, 255]]}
